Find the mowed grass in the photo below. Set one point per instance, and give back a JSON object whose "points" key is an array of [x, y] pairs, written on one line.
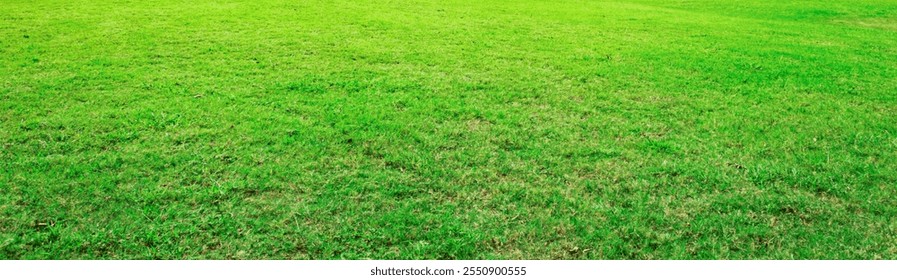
{"points": [[400, 129]]}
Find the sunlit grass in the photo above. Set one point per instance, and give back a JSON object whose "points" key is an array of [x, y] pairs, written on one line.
{"points": [[448, 129]]}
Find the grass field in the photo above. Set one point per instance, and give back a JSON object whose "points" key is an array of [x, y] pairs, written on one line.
{"points": [[399, 129]]}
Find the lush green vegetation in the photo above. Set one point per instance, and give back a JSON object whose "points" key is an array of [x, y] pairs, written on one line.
{"points": [[448, 129]]}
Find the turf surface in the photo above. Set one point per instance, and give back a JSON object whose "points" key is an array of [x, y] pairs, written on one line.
{"points": [[448, 129]]}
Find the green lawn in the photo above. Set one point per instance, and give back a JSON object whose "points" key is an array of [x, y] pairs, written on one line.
{"points": [[398, 129]]}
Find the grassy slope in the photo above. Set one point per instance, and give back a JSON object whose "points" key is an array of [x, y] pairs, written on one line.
{"points": [[448, 129]]}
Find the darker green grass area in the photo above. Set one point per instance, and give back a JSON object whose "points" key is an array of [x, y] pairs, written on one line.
{"points": [[448, 129]]}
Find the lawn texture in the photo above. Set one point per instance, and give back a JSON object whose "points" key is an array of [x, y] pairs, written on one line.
{"points": [[399, 129]]}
